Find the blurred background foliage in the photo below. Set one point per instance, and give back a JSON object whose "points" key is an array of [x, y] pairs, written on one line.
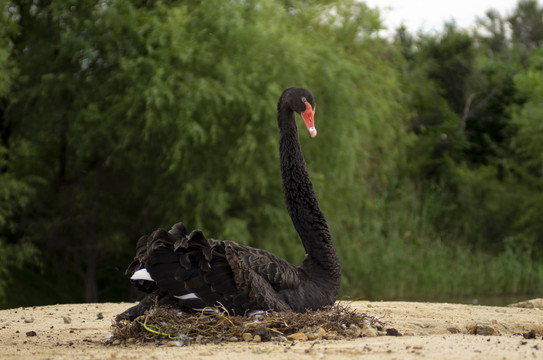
{"points": [[118, 117]]}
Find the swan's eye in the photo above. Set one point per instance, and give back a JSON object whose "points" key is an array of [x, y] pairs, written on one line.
{"points": [[304, 100]]}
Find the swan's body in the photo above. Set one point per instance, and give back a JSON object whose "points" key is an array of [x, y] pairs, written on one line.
{"points": [[190, 271]]}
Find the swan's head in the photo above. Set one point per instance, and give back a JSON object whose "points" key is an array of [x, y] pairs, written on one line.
{"points": [[302, 101], [309, 117]]}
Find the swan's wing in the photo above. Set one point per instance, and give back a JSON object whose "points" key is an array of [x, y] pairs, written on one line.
{"points": [[200, 272], [279, 273], [191, 268], [260, 277]]}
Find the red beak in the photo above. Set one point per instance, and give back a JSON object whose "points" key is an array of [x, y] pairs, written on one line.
{"points": [[309, 118]]}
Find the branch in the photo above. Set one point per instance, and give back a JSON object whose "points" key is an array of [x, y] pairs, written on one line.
{"points": [[469, 112], [466, 113]]}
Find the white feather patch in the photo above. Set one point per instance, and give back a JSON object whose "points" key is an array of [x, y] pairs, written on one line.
{"points": [[187, 296], [207, 310], [141, 274]]}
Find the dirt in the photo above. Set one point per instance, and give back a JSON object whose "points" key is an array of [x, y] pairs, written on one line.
{"points": [[424, 330]]}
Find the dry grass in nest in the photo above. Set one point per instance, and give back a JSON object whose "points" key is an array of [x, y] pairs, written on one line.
{"points": [[184, 328]]}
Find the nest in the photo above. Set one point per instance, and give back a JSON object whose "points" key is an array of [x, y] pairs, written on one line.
{"points": [[184, 328]]}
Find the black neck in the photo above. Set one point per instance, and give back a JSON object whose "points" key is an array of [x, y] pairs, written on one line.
{"points": [[301, 201]]}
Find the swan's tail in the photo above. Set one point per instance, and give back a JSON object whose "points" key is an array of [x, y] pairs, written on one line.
{"points": [[191, 269]]}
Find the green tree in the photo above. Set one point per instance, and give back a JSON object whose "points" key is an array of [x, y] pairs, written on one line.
{"points": [[144, 116], [527, 24], [491, 31], [15, 192], [526, 163]]}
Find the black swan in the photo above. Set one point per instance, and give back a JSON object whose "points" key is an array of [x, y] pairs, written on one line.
{"points": [[190, 271]]}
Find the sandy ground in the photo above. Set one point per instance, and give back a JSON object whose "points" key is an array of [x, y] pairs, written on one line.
{"points": [[430, 331]]}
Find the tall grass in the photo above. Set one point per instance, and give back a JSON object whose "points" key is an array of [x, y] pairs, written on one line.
{"points": [[399, 255]]}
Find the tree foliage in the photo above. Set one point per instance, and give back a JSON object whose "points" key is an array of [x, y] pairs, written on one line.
{"points": [[118, 117]]}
